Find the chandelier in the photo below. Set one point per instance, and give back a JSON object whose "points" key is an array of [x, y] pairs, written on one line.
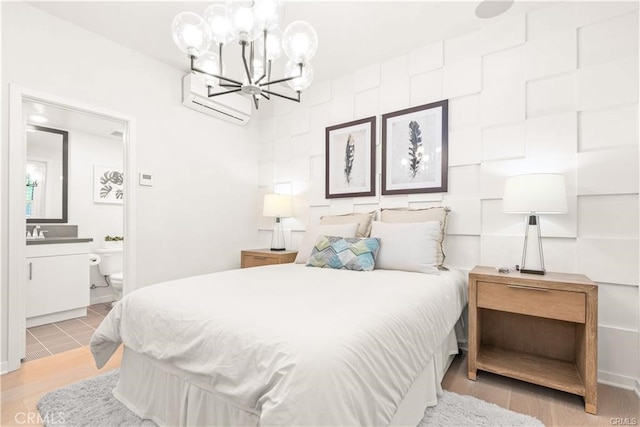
{"points": [[255, 24]]}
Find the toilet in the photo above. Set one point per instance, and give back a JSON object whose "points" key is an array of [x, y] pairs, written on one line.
{"points": [[111, 266]]}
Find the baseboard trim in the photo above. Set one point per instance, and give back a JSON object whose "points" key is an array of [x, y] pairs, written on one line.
{"points": [[101, 299], [619, 381], [4, 367], [56, 317]]}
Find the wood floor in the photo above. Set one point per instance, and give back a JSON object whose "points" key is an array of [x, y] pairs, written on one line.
{"points": [[22, 389], [552, 407]]}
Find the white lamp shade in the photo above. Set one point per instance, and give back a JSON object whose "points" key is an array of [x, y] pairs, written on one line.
{"points": [[277, 205], [540, 193]]}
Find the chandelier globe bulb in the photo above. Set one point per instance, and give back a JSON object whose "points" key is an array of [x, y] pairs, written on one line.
{"points": [[268, 14], [242, 20], [303, 82], [216, 17], [274, 44], [191, 33], [209, 62], [300, 41]]}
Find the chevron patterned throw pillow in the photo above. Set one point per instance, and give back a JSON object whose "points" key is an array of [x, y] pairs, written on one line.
{"points": [[350, 253]]}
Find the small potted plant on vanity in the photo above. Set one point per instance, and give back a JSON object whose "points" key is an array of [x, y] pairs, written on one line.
{"points": [[113, 241]]}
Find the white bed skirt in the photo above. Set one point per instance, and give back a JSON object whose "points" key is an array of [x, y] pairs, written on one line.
{"points": [[172, 397]]}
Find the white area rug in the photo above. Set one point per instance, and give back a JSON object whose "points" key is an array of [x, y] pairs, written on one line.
{"points": [[90, 403], [458, 410]]}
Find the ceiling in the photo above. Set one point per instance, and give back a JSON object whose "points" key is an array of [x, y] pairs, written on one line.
{"points": [[351, 34]]}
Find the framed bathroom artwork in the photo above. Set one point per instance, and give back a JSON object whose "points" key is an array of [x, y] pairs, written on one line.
{"points": [[108, 185], [415, 149], [350, 159]]}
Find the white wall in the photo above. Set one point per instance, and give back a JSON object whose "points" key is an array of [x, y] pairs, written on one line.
{"points": [[200, 212], [553, 91], [94, 220]]}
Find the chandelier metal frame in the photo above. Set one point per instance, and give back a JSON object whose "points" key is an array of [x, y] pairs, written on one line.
{"points": [[254, 87]]}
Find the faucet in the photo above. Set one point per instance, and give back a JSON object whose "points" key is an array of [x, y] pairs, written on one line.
{"points": [[37, 233]]}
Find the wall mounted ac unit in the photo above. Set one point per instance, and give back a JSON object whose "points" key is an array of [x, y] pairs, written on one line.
{"points": [[232, 107]]}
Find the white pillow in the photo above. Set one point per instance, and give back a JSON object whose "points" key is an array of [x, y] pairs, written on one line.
{"points": [[408, 246], [312, 233]]}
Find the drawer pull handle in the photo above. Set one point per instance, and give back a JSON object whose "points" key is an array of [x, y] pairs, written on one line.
{"points": [[30, 270], [259, 257], [531, 288]]}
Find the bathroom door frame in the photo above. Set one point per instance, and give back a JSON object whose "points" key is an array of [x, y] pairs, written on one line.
{"points": [[16, 266]]}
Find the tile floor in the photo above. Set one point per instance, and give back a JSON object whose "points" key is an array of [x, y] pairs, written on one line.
{"points": [[45, 340]]}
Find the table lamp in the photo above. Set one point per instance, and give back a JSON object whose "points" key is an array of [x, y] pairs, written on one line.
{"points": [[534, 194], [278, 206]]}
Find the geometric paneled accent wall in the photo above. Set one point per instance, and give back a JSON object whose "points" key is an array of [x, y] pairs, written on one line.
{"points": [[555, 90]]}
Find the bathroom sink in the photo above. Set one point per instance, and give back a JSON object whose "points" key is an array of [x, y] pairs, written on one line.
{"points": [[56, 233]]}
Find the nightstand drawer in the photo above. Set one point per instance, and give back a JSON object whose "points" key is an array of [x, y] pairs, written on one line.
{"points": [[258, 260], [259, 257], [532, 301]]}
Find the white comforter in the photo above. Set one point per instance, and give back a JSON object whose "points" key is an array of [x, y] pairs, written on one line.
{"points": [[298, 345]]}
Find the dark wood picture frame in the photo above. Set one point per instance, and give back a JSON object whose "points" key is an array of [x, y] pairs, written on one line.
{"points": [[423, 151], [350, 159]]}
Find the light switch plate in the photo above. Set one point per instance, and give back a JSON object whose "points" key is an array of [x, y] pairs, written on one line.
{"points": [[146, 179]]}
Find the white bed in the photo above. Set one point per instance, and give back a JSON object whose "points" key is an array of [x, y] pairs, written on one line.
{"points": [[285, 345]]}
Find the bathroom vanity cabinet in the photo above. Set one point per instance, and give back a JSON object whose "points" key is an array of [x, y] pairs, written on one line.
{"points": [[57, 283]]}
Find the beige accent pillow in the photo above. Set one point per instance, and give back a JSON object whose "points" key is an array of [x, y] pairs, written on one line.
{"points": [[364, 219], [312, 233], [438, 213]]}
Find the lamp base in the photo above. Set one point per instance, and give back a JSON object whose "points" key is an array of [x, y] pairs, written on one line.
{"points": [[532, 221], [277, 237], [526, 270]]}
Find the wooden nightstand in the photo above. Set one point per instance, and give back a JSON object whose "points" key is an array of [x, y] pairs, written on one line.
{"points": [[539, 329], [258, 257]]}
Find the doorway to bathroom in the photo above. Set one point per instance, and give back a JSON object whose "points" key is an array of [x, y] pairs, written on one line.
{"points": [[74, 197], [88, 216]]}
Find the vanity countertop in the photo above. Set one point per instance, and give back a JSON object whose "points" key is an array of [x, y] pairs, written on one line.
{"points": [[56, 240]]}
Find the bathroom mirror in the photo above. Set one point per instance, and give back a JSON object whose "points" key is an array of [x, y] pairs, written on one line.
{"points": [[47, 165]]}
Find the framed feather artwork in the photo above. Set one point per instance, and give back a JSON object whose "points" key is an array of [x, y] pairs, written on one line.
{"points": [[415, 149], [351, 159], [108, 185]]}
